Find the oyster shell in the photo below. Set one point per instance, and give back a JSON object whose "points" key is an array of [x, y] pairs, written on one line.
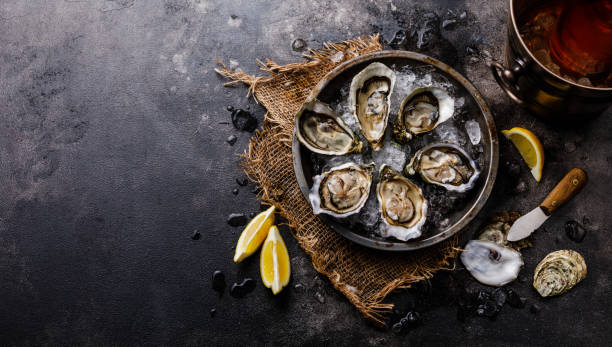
{"points": [[421, 111], [558, 272], [496, 233], [370, 101], [446, 165], [323, 131], [341, 191], [402, 205], [490, 263]]}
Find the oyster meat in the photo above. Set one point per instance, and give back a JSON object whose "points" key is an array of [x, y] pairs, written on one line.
{"points": [[341, 191], [490, 263], [558, 272], [323, 131], [446, 165], [402, 205], [370, 101], [421, 111]]}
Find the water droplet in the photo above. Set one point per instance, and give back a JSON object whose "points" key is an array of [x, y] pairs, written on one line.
{"points": [[231, 140], [320, 298], [298, 45], [218, 282], [236, 219], [235, 191], [242, 289], [243, 120], [230, 108], [213, 312], [242, 181], [196, 235]]}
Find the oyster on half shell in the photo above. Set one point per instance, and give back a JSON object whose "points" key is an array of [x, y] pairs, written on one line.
{"points": [[402, 205], [323, 131], [558, 272], [446, 165], [370, 101], [341, 191], [421, 111]]}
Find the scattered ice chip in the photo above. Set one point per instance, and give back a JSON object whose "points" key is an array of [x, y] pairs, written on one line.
{"points": [[449, 133], [391, 154], [473, 130]]}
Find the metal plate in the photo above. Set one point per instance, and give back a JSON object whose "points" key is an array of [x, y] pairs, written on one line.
{"points": [[329, 89]]}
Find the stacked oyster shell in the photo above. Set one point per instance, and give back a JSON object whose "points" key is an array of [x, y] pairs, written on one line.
{"points": [[558, 272], [343, 190]]}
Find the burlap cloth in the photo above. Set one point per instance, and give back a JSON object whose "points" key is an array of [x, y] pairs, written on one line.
{"points": [[364, 276]]}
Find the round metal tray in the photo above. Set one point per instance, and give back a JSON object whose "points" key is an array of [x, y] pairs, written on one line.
{"points": [[328, 89]]}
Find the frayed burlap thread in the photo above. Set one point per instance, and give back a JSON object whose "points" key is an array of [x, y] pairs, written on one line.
{"points": [[363, 275]]}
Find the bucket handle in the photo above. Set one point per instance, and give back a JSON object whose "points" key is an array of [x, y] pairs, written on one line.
{"points": [[508, 78]]}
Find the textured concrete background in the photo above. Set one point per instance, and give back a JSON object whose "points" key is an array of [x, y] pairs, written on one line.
{"points": [[112, 153]]}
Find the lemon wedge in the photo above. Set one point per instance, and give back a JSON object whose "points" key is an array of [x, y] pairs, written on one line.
{"points": [[274, 263], [254, 234], [530, 148]]}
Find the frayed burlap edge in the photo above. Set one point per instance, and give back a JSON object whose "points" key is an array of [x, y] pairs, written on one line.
{"points": [[364, 276]]}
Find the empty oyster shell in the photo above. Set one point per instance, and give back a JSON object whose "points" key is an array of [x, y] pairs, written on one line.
{"points": [[558, 272], [402, 205], [370, 101], [490, 263], [323, 131], [421, 111], [341, 191], [446, 165]]}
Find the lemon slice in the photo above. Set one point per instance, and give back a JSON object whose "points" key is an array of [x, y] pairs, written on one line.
{"points": [[530, 148], [254, 234], [274, 263]]}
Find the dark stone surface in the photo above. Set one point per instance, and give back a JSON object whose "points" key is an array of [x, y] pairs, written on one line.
{"points": [[113, 149]]}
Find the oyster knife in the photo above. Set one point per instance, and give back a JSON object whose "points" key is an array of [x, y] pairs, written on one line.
{"points": [[569, 186]]}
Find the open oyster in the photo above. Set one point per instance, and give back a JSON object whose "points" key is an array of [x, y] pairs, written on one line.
{"points": [[421, 111], [402, 205], [370, 101], [446, 165], [558, 272], [322, 131], [341, 191], [490, 263]]}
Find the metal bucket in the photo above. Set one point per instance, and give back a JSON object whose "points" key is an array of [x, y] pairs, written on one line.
{"points": [[530, 84]]}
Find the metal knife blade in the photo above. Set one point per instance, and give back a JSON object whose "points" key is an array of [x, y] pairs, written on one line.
{"points": [[527, 224]]}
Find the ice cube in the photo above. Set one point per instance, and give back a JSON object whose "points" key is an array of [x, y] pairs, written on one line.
{"points": [[473, 130]]}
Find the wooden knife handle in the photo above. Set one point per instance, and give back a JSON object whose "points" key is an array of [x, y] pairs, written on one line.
{"points": [[569, 186]]}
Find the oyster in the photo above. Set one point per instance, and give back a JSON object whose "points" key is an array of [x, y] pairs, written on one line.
{"points": [[323, 131], [558, 272], [341, 191], [370, 101], [402, 205], [496, 233], [446, 165], [421, 111], [490, 263]]}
